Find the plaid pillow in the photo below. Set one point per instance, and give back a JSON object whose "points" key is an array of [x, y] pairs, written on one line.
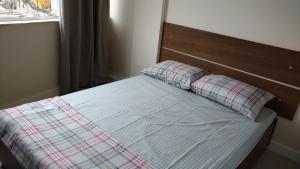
{"points": [[237, 95], [183, 75], [175, 73], [158, 71]]}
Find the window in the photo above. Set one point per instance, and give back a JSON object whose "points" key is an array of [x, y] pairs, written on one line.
{"points": [[16, 10]]}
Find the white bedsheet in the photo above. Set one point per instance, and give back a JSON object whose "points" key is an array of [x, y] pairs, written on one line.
{"points": [[170, 127]]}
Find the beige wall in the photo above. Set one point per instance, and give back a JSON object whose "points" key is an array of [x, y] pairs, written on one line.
{"points": [[28, 62], [273, 22], [135, 35]]}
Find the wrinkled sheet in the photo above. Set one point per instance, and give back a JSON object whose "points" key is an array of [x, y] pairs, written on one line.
{"points": [[171, 127]]}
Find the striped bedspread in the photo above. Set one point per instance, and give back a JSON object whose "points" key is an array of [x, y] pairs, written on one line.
{"points": [[51, 134]]}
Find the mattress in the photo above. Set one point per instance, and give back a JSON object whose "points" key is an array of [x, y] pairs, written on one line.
{"points": [[169, 127]]}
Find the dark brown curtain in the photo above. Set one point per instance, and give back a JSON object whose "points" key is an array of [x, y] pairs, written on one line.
{"points": [[83, 57]]}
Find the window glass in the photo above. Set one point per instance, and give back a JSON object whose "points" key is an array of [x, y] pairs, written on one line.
{"points": [[28, 9]]}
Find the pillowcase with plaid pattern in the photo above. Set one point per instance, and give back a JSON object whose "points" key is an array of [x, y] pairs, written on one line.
{"points": [[175, 73], [182, 75], [158, 71], [237, 95]]}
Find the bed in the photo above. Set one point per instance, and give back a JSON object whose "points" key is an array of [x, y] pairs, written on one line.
{"points": [[169, 127]]}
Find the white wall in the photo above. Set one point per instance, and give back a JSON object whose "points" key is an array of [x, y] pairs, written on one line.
{"points": [[273, 22], [135, 35], [28, 62]]}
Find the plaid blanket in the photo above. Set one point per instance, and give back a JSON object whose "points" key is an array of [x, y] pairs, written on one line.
{"points": [[51, 134]]}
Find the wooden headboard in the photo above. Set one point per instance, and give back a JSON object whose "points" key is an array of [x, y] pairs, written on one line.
{"points": [[271, 68]]}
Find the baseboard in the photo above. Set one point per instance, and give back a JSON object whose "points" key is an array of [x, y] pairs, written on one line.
{"points": [[284, 151], [116, 76], [38, 96]]}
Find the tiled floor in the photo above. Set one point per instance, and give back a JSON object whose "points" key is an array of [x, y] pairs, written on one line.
{"points": [[270, 160]]}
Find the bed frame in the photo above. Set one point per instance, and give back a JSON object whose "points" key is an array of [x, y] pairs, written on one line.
{"points": [[271, 68], [274, 69]]}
